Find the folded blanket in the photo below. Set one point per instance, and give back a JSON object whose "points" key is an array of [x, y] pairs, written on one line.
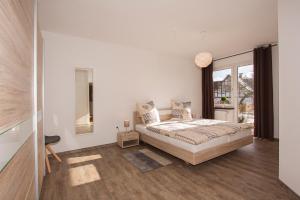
{"points": [[197, 131]]}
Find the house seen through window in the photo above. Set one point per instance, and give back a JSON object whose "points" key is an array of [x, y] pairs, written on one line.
{"points": [[222, 86]]}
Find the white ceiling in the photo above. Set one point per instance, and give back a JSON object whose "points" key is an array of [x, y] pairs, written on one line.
{"points": [[181, 27]]}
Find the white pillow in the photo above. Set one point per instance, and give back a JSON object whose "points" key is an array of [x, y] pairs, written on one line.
{"points": [[181, 110], [148, 112]]}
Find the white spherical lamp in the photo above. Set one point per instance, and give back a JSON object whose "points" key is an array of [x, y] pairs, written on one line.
{"points": [[203, 59]]}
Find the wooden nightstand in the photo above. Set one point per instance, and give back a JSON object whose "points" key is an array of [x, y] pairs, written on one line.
{"points": [[128, 139]]}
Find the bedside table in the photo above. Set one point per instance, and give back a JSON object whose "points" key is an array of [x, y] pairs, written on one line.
{"points": [[128, 139]]}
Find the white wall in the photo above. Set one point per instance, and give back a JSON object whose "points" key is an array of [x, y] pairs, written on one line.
{"points": [[289, 108], [246, 59], [123, 76]]}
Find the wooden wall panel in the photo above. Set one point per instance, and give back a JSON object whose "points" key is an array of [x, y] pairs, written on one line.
{"points": [[17, 177], [16, 93], [40, 60], [40, 109], [16, 61], [31, 192], [41, 159]]}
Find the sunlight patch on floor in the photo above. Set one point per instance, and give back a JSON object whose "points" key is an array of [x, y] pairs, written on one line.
{"points": [[79, 159], [83, 174]]}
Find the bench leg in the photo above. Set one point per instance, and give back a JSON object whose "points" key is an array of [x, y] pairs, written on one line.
{"points": [[48, 163], [48, 147]]}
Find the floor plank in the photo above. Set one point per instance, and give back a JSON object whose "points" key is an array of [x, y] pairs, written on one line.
{"points": [[248, 173]]}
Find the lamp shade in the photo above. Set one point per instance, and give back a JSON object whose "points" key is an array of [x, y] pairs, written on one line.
{"points": [[203, 59], [126, 123]]}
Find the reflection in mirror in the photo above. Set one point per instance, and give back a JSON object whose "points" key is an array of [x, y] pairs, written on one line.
{"points": [[84, 100], [12, 139]]}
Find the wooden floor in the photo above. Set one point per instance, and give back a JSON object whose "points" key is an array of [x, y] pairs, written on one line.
{"points": [[102, 173]]}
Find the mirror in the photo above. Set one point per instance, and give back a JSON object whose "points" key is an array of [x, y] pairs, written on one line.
{"points": [[84, 101]]}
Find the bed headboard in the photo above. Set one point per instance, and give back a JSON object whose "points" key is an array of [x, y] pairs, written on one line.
{"points": [[164, 114]]}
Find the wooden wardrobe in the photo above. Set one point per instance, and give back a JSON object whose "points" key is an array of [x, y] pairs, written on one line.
{"points": [[17, 178]]}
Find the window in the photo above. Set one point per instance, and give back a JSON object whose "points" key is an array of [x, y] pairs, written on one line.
{"points": [[222, 86], [234, 92], [246, 94]]}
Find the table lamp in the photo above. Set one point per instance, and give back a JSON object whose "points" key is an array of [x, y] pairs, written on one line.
{"points": [[126, 124]]}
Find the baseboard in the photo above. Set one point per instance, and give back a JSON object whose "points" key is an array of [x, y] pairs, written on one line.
{"points": [[272, 140], [288, 188], [87, 149]]}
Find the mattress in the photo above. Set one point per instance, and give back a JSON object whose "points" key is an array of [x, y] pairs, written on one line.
{"points": [[191, 147]]}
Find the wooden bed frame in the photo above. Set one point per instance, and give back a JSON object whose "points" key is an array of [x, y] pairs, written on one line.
{"points": [[188, 156]]}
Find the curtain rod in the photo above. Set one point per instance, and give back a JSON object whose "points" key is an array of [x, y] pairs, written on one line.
{"points": [[272, 45]]}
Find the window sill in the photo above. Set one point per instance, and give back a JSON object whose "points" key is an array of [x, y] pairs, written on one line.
{"points": [[224, 107]]}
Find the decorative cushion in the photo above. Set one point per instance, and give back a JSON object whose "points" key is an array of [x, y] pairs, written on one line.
{"points": [[148, 112], [181, 110], [51, 139]]}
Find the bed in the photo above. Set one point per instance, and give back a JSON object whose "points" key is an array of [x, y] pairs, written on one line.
{"points": [[187, 151]]}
